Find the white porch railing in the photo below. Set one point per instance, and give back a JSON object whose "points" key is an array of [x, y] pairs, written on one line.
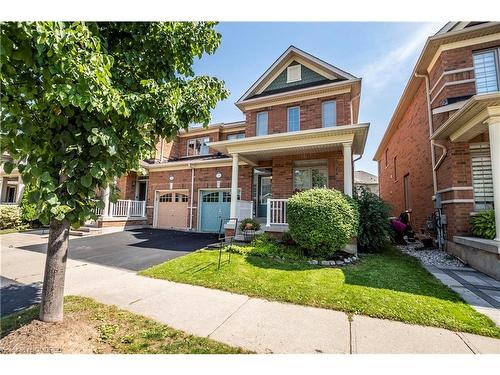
{"points": [[124, 208], [276, 212], [127, 208]]}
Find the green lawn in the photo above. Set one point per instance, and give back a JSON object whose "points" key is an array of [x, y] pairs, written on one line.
{"points": [[390, 285], [7, 231], [119, 331]]}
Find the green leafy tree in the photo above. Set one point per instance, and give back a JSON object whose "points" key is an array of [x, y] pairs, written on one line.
{"points": [[82, 103]]}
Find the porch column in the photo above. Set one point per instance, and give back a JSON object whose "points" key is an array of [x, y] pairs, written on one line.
{"points": [[494, 132], [234, 186], [347, 168], [105, 198], [20, 189]]}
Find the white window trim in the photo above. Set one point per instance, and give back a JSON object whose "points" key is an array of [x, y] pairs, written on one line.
{"points": [[194, 140], [496, 56], [294, 73], [257, 123], [311, 167], [288, 117], [323, 113]]}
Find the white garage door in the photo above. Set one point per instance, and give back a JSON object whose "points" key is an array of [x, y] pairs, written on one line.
{"points": [[172, 211]]}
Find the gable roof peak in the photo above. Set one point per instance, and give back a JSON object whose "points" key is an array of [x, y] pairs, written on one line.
{"points": [[292, 53]]}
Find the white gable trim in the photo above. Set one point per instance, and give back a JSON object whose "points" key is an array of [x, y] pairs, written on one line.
{"points": [[293, 53]]}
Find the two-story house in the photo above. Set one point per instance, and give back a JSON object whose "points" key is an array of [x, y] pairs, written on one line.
{"points": [[442, 145], [300, 131]]}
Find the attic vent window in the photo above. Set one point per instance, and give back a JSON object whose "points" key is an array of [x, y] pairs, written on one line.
{"points": [[293, 73]]}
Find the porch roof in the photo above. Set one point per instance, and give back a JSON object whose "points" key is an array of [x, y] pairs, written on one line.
{"points": [[292, 143], [470, 120]]}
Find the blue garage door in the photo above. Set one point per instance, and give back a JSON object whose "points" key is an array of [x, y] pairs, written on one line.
{"points": [[215, 205]]}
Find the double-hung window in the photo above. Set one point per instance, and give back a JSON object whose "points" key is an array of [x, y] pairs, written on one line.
{"points": [[293, 119], [486, 71], [329, 113], [262, 123], [197, 146]]}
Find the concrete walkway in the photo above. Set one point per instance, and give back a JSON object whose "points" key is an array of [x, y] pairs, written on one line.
{"points": [[477, 289], [252, 323]]}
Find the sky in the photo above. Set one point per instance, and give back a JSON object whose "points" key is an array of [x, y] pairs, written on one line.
{"points": [[383, 54]]}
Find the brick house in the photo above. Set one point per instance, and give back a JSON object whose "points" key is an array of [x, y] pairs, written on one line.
{"points": [[300, 131], [443, 140]]}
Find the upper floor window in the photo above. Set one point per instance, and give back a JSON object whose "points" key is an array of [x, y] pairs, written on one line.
{"points": [[235, 136], [261, 123], [329, 113], [486, 71], [197, 146], [293, 73], [293, 119]]}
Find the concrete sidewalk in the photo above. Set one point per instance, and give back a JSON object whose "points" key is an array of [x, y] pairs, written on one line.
{"points": [[252, 323]]}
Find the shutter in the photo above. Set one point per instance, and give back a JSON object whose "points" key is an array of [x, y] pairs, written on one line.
{"points": [[482, 179]]}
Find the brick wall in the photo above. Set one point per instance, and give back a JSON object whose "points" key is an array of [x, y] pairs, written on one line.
{"points": [[411, 146], [410, 143], [126, 186], [310, 114]]}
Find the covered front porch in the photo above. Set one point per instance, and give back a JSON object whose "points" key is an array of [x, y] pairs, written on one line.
{"points": [[480, 115], [285, 163]]}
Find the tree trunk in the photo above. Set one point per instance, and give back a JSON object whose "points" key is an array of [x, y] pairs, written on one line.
{"points": [[51, 309]]}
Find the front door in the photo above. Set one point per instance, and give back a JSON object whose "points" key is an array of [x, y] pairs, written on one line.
{"points": [[264, 193]]}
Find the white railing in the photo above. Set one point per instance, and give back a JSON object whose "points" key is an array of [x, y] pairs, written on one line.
{"points": [[276, 212], [124, 208], [127, 208]]}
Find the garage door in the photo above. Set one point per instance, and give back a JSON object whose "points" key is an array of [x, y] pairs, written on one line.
{"points": [[172, 211], [215, 205]]}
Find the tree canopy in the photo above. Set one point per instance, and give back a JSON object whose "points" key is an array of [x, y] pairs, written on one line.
{"points": [[83, 103]]}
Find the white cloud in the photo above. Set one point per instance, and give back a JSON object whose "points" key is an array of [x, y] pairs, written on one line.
{"points": [[380, 72]]}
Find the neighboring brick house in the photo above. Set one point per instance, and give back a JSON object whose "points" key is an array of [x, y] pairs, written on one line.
{"points": [[366, 180], [444, 137], [300, 131]]}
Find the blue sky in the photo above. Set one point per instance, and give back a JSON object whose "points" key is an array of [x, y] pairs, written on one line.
{"points": [[382, 54]]}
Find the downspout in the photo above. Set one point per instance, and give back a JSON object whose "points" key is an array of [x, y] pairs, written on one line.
{"points": [[161, 149], [191, 198], [429, 114]]}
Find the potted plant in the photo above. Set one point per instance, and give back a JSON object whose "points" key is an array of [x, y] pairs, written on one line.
{"points": [[249, 227]]}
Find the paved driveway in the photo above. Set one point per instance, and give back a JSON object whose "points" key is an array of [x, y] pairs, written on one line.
{"points": [[133, 249]]}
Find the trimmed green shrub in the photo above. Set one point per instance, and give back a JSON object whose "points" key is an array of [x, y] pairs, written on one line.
{"points": [[29, 212], [483, 224], [374, 225], [322, 221], [9, 217]]}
